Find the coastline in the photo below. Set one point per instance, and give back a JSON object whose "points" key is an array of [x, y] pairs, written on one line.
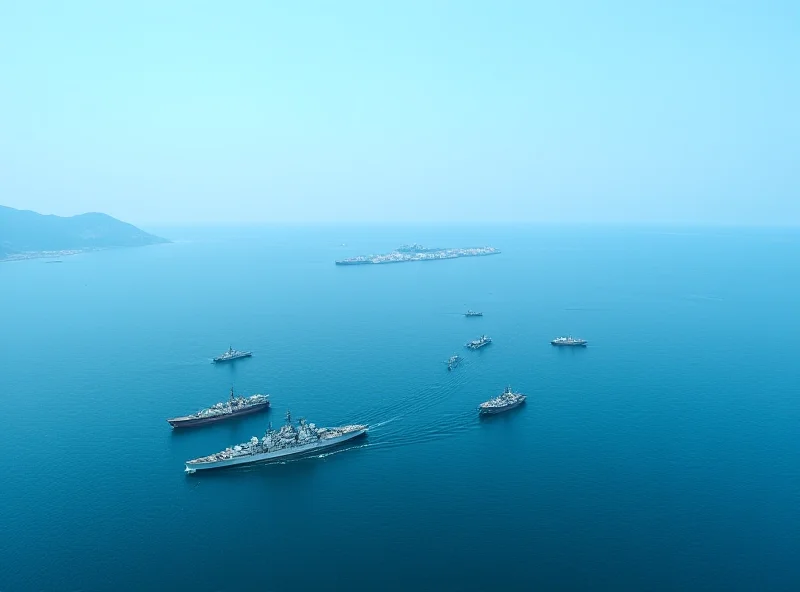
{"points": [[28, 255], [43, 254]]}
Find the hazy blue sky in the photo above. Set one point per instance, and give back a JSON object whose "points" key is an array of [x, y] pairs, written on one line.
{"points": [[189, 111]]}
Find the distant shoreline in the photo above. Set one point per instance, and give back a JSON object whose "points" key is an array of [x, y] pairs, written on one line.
{"points": [[25, 234], [43, 255], [28, 255]]}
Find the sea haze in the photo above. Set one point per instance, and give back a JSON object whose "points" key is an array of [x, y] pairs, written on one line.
{"points": [[664, 456]]}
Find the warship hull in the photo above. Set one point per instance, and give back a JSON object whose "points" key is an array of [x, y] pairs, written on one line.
{"points": [[577, 344], [497, 410], [191, 422], [278, 455]]}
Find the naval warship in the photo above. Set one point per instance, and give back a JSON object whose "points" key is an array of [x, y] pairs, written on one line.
{"points": [[288, 442], [472, 313], [569, 341], [417, 253], [453, 362], [478, 343], [233, 407], [505, 402], [232, 354]]}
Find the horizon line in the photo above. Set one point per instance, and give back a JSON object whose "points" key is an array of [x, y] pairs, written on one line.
{"points": [[446, 223]]}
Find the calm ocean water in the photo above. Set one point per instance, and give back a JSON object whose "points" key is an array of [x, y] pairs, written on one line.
{"points": [[665, 456]]}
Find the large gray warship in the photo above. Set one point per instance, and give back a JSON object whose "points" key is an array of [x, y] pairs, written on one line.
{"points": [[569, 342], [232, 354], [417, 252], [233, 407], [288, 442], [505, 402], [482, 341]]}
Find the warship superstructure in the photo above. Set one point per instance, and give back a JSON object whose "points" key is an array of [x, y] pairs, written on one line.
{"points": [[278, 445], [233, 407], [569, 341], [505, 402], [232, 354], [472, 313], [478, 343], [417, 248]]}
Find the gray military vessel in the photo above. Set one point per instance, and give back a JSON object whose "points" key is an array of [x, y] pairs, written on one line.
{"points": [[232, 354], [233, 407], [418, 253], [482, 341], [289, 442], [505, 402], [569, 342], [453, 361], [473, 313]]}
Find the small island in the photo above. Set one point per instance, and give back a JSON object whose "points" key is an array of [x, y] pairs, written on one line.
{"points": [[30, 235], [417, 252]]}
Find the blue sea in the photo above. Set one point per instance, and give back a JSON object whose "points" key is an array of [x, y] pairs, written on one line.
{"points": [[664, 456]]}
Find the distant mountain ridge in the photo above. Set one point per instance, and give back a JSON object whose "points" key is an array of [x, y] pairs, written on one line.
{"points": [[25, 234]]}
